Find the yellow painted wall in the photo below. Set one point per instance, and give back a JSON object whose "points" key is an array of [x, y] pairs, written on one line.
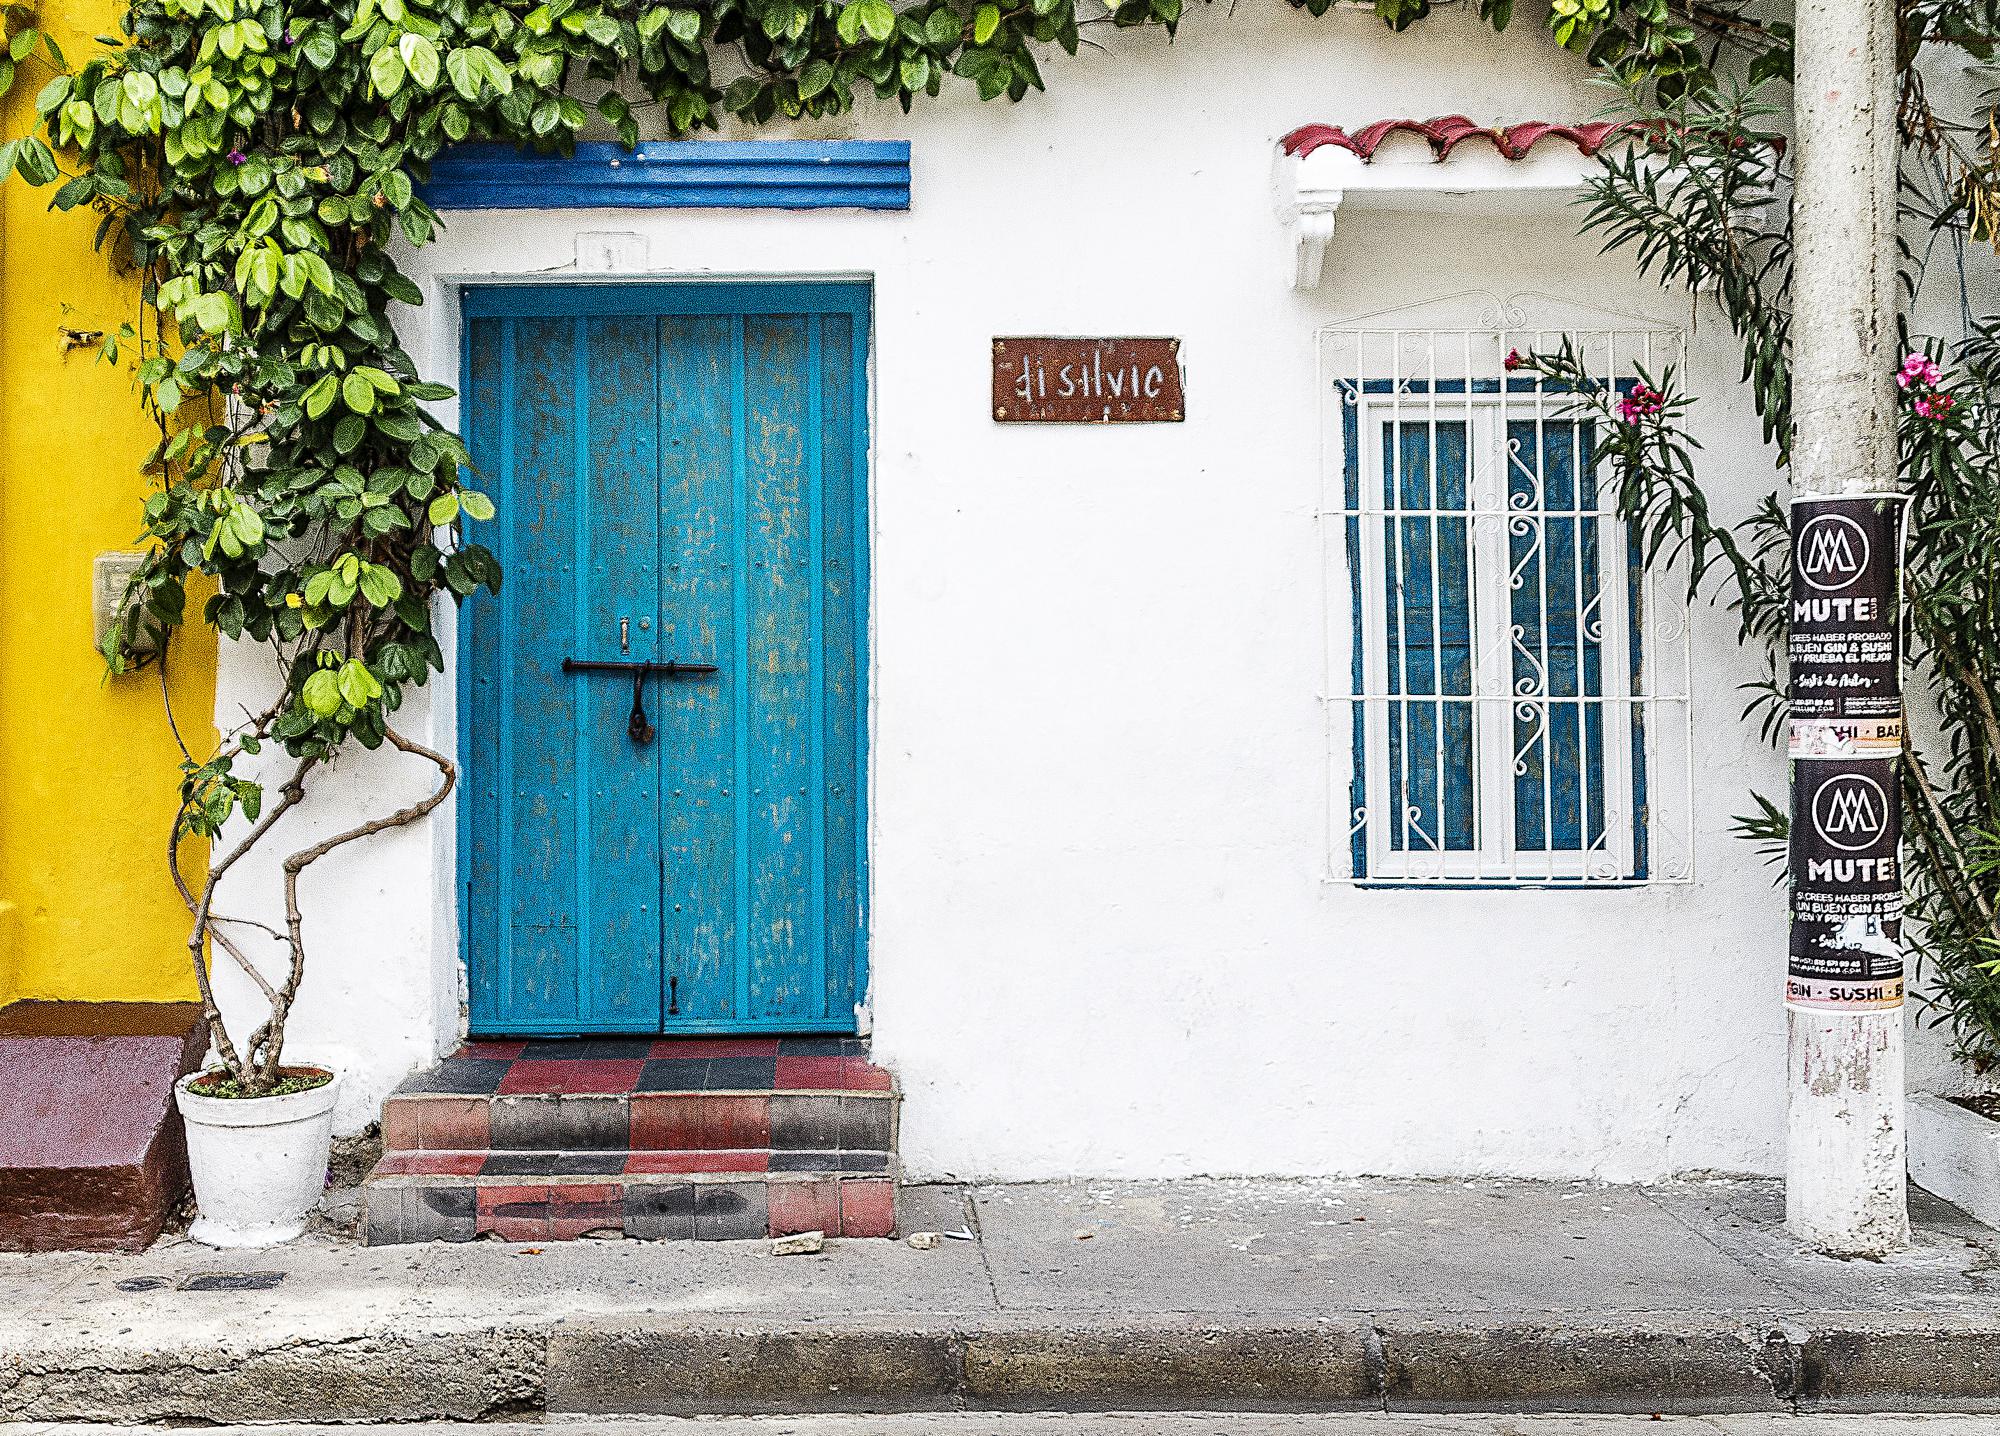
{"points": [[87, 765]]}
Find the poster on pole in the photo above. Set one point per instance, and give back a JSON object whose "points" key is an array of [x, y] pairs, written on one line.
{"points": [[1847, 888], [1844, 648], [1845, 741]]}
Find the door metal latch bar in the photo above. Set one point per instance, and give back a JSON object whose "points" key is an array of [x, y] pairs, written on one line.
{"points": [[638, 725], [633, 665]]}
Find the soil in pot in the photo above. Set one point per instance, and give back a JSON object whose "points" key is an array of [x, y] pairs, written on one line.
{"points": [[216, 1082]]}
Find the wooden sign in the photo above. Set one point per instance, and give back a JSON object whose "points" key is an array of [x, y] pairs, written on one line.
{"points": [[1087, 381]]}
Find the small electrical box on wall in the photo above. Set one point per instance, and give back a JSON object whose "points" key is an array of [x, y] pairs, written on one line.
{"points": [[110, 579]]}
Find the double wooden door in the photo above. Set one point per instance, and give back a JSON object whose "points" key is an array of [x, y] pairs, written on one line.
{"points": [[665, 832]]}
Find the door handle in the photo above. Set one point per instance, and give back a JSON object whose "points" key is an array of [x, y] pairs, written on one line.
{"points": [[638, 725]]}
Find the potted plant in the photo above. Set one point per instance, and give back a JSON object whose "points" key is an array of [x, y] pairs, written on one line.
{"points": [[349, 621], [258, 1127], [348, 617]]}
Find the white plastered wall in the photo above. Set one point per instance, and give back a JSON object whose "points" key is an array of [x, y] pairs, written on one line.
{"points": [[1101, 939]]}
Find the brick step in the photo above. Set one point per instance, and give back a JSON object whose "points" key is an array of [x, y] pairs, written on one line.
{"points": [[786, 1120], [649, 1195]]}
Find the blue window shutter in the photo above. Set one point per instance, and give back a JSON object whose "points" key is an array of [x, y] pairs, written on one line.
{"points": [[1429, 608]]}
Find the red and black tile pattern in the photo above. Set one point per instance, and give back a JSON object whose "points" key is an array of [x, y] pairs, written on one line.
{"points": [[673, 1137], [594, 1066]]}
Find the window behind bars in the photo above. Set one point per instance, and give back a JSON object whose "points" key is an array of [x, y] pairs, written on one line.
{"points": [[1516, 702]]}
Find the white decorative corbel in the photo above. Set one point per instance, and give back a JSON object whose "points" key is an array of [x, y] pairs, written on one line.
{"points": [[1406, 176], [1312, 227]]}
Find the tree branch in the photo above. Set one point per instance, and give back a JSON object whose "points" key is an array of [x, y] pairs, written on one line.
{"points": [[270, 1039]]}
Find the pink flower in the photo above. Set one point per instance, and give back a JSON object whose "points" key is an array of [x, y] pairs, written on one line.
{"points": [[1641, 403], [1513, 360], [236, 157], [1918, 369], [1934, 406]]}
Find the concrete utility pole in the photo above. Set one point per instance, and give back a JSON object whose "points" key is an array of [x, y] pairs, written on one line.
{"points": [[1845, 1149]]}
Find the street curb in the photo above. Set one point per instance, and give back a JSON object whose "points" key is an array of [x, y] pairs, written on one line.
{"points": [[647, 1365]]}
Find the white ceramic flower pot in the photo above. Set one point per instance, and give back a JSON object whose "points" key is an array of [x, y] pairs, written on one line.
{"points": [[259, 1163]]}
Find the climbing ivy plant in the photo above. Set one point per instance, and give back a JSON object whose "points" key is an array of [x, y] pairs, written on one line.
{"points": [[252, 162]]}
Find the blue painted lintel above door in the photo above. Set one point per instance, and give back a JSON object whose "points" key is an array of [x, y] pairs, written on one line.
{"points": [[677, 174]]}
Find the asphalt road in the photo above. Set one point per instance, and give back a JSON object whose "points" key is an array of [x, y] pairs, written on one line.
{"points": [[1129, 1424]]}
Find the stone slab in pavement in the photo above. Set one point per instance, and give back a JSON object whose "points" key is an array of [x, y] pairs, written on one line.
{"points": [[1430, 1246], [1182, 1295]]}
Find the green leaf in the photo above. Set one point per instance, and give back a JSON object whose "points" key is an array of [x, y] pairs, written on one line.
{"points": [[213, 312], [464, 72], [348, 433], [248, 525], [476, 505], [321, 693], [684, 25], [380, 378], [380, 586], [396, 185], [357, 684], [35, 162], [814, 78], [420, 57], [320, 48], [443, 509], [319, 398], [358, 394], [942, 28], [878, 18], [386, 72], [497, 74], [53, 95], [75, 192], [985, 22]]}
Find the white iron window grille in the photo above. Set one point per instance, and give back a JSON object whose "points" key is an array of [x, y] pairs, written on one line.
{"points": [[1517, 700]]}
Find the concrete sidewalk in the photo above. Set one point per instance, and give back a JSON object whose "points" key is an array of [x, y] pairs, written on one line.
{"points": [[1186, 1295]]}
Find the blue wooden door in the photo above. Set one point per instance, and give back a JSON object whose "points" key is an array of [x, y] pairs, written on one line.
{"points": [[680, 477]]}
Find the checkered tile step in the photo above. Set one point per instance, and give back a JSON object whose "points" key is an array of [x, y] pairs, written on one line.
{"points": [[688, 1137], [655, 1206]]}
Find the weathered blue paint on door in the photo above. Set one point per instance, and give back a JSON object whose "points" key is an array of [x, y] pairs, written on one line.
{"points": [[679, 467]]}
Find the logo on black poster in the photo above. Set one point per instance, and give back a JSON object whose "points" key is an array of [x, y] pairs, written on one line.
{"points": [[1851, 812], [1833, 552]]}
